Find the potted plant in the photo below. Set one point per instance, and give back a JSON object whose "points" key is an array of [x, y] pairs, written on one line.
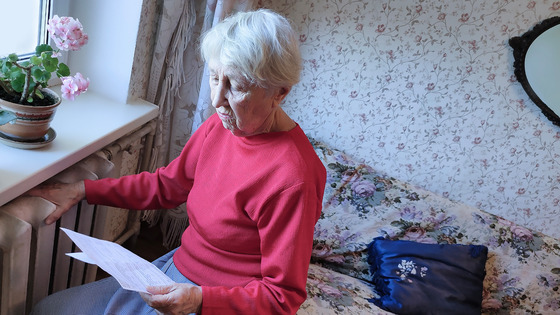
{"points": [[27, 106]]}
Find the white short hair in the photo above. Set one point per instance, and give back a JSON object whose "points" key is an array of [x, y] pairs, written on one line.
{"points": [[261, 45]]}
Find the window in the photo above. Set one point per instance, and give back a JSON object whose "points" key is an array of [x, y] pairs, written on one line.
{"points": [[24, 26]]}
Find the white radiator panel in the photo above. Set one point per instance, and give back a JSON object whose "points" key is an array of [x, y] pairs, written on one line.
{"points": [[33, 260], [34, 210], [15, 241], [63, 279]]}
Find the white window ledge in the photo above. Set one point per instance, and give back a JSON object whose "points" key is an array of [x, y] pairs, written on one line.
{"points": [[82, 127]]}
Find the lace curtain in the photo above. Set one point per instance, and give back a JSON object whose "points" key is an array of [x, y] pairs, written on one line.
{"points": [[178, 83]]}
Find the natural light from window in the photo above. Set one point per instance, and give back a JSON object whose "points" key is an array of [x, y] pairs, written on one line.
{"points": [[20, 26]]}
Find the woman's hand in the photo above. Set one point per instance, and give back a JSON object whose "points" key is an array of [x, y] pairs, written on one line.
{"points": [[178, 298], [63, 196]]}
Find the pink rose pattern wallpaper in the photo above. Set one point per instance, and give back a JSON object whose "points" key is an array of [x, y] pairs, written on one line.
{"points": [[424, 91]]}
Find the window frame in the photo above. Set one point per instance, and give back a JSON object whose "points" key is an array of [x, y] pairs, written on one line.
{"points": [[48, 9]]}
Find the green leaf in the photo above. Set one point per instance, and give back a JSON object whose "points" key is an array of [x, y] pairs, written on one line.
{"points": [[63, 70], [6, 66], [31, 86], [36, 60], [39, 94], [37, 73], [45, 78], [42, 48], [13, 57], [14, 71], [50, 64], [6, 117], [18, 80]]}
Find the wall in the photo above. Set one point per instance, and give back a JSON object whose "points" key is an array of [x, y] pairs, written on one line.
{"points": [[112, 27], [425, 91]]}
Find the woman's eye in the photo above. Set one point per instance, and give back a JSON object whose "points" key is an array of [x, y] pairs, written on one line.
{"points": [[238, 87]]}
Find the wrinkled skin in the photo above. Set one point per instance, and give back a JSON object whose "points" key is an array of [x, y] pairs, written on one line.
{"points": [[176, 299], [63, 196]]}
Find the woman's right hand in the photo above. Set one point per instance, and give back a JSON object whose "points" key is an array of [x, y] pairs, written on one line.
{"points": [[63, 196]]}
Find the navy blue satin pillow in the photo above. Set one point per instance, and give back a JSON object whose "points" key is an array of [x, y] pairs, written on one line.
{"points": [[417, 278]]}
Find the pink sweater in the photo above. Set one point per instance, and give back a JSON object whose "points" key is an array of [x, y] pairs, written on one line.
{"points": [[252, 204]]}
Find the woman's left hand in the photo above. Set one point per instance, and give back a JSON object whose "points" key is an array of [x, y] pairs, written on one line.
{"points": [[178, 298]]}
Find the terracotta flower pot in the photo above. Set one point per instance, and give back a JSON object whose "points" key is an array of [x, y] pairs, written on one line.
{"points": [[32, 122]]}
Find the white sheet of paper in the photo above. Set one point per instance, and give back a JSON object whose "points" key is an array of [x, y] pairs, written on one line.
{"points": [[131, 271], [82, 256]]}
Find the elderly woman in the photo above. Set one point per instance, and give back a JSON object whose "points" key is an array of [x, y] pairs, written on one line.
{"points": [[252, 184]]}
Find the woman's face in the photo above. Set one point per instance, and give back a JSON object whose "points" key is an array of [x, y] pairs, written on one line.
{"points": [[245, 109]]}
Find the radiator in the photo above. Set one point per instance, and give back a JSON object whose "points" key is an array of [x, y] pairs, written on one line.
{"points": [[33, 263]]}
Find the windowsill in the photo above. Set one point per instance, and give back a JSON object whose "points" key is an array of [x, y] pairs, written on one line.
{"points": [[82, 127]]}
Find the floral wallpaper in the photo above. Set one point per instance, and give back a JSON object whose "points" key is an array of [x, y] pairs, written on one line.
{"points": [[424, 91]]}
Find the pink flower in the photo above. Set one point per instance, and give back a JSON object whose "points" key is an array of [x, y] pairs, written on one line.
{"points": [[321, 251], [339, 259], [417, 234], [328, 290], [491, 304], [67, 33], [74, 86], [521, 233], [363, 188], [411, 214]]}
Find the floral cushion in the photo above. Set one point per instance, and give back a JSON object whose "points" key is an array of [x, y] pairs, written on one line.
{"points": [[523, 267]]}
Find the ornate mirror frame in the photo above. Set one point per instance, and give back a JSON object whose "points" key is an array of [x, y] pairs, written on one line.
{"points": [[521, 45]]}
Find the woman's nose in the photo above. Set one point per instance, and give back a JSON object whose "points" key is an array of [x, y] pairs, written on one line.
{"points": [[220, 96]]}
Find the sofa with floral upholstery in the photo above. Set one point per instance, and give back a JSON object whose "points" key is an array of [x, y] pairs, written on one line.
{"points": [[360, 204]]}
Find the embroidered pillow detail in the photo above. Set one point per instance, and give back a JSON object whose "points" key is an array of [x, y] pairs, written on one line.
{"points": [[418, 278]]}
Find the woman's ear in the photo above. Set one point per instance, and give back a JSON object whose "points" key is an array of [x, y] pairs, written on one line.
{"points": [[281, 94]]}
